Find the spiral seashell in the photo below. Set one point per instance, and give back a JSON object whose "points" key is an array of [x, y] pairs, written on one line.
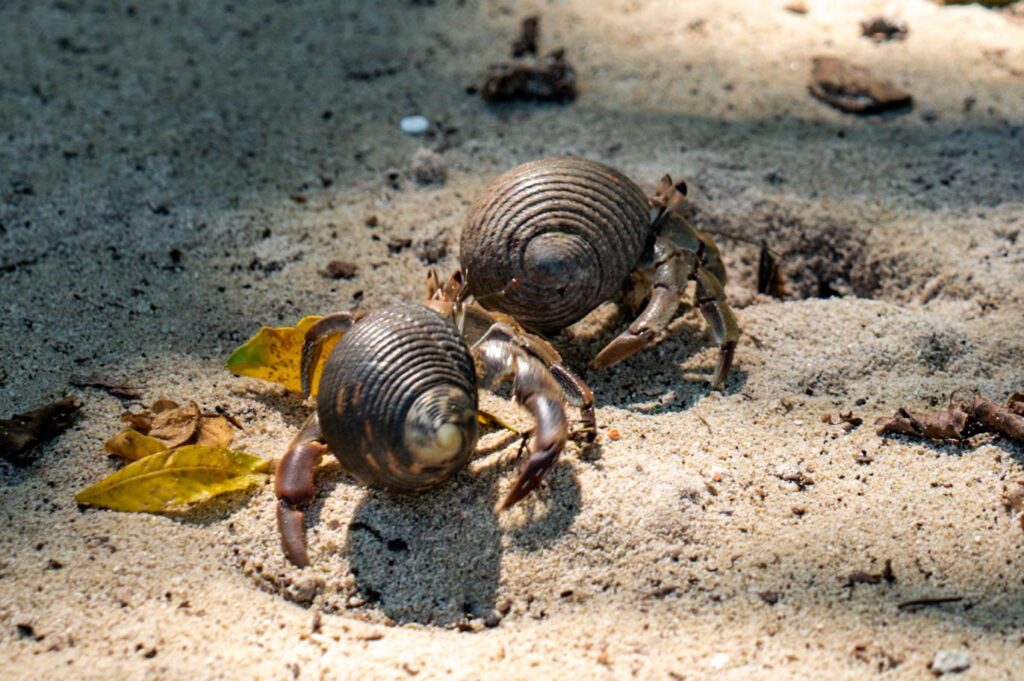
{"points": [[567, 230], [398, 399]]}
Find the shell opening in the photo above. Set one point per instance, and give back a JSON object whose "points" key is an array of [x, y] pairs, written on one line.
{"points": [[436, 424]]}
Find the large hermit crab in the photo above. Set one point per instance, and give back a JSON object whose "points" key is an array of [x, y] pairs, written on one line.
{"points": [[397, 400], [559, 236]]}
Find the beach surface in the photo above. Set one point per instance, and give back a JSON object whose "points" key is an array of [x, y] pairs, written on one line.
{"points": [[175, 174]]}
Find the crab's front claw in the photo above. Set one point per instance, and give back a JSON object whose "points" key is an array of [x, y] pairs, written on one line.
{"points": [[291, 525], [293, 485], [622, 347], [531, 473]]}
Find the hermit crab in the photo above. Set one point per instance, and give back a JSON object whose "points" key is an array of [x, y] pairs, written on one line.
{"points": [[559, 236], [397, 400]]}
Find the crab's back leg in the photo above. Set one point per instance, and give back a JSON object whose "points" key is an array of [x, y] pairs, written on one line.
{"points": [[720, 317], [293, 485], [498, 359], [672, 268], [579, 395]]}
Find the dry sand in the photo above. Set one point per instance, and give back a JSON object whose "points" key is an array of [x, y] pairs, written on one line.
{"points": [[174, 174]]}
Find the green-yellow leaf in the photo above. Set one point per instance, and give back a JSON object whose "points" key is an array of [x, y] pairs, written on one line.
{"points": [[176, 477], [489, 420], [133, 445], [275, 355]]}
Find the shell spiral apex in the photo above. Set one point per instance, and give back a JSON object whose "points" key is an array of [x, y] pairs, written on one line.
{"points": [[566, 230]]}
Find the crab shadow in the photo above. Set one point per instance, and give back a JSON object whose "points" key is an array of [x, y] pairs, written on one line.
{"points": [[435, 558]]}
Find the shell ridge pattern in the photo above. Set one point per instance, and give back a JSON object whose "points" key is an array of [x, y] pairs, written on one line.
{"points": [[418, 361], [384, 364], [602, 213]]}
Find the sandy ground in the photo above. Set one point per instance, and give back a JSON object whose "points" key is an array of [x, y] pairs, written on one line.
{"points": [[174, 174]]}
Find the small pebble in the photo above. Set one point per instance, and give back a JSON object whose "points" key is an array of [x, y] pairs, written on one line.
{"points": [[304, 589], [414, 125], [718, 661], [950, 662]]}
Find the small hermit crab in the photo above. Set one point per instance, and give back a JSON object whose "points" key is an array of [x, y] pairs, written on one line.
{"points": [[560, 236], [397, 400]]}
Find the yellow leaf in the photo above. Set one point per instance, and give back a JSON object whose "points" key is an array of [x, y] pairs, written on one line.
{"points": [[133, 445], [175, 477], [275, 355], [489, 420]]}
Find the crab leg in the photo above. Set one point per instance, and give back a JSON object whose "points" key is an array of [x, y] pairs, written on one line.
{"points": [[578, 394], [720, 317], [498, 359], [671, 271], [479, 323], [293, 485]]}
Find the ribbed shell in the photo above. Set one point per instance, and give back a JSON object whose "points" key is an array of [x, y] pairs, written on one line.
{"points": [[568, 229], [371, 379]]}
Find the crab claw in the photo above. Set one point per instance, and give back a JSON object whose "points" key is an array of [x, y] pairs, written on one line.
{"points": [[290, 521], [547, 443], [622, 347], [293, 485], [531, 473]]}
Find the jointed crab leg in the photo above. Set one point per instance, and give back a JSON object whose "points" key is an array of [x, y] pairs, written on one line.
{"points": [[293, 481], [499, 359], [671, 271], [680, 253], [720, 317], [578, 394], [476, 323], [293, 485]]}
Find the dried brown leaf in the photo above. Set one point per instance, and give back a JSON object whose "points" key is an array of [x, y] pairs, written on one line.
{"points": [[963, 418], [551, 78], [340, 269], [941, 425], [215, 431], [853, 89], [1016, 404], [883, 29], [998, 419], [163, 405], [175, 426], [22, 432], [526, 42], [140, 421]]}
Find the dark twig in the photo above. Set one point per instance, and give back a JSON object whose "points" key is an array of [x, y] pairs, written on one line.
{"points": [[923, 602]]}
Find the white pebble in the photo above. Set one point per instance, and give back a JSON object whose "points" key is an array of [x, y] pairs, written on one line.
{"points": [[718, 661], [414, 125], [950, 662]]}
